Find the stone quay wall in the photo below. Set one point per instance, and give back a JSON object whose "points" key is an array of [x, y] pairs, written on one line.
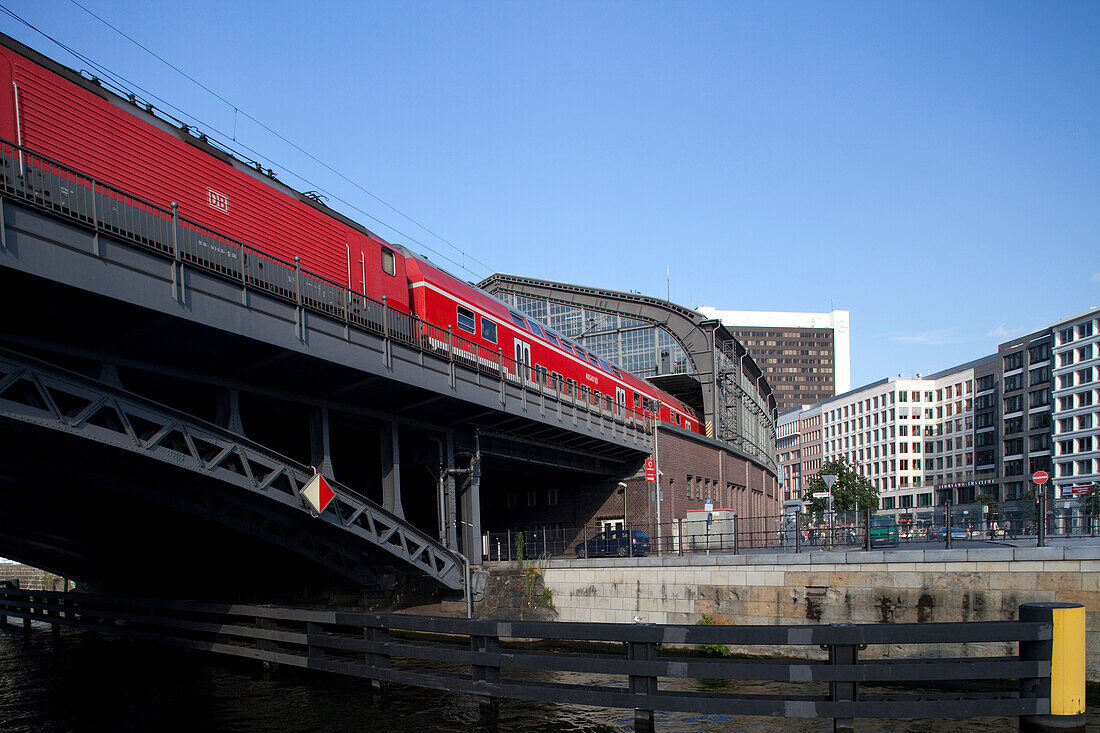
{"points": [[899, 586]]}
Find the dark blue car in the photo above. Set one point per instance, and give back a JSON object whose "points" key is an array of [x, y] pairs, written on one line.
{"points": [[615, 542]]}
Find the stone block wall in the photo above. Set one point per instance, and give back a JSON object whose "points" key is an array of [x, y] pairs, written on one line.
{"points": [[821, 588]]}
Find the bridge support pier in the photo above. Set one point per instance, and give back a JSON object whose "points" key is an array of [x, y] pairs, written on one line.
{"points": [[319, 446], [450, 516], [229, 411], [391, 470], [471, 511]]}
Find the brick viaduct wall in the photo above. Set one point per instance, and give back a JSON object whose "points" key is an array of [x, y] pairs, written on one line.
{"points": [[732, 480], [835, 587]]}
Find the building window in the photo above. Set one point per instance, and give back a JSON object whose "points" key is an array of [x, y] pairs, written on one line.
{"points": [[532, 498], [551, 497], [1039, 352]]}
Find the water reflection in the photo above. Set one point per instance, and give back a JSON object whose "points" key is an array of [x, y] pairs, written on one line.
{"points": [[81, 683]]}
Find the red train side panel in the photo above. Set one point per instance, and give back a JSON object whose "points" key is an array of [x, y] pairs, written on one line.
{"points": [[67, 118]]}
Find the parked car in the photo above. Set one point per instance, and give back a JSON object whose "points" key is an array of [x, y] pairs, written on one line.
{"points": [[615, 542], [884, 532]]}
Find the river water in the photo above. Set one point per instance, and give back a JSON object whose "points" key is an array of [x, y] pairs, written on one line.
{"points": [[84, 683]]}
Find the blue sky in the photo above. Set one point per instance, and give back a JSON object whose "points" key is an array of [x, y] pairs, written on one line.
{"points": [[932, 167]]}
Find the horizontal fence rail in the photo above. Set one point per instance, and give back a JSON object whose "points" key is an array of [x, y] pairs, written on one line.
{"points": [[482, 657], [49, 185]]}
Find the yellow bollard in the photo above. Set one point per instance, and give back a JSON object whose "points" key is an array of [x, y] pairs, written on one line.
{"points": [[1066, 651], [1067, 663]]}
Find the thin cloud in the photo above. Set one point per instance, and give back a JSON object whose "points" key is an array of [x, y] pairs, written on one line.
{"points": [[1002, 333], [1095, 277], [925, 338]]}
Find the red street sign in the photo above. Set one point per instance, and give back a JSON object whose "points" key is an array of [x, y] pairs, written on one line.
{"points": [[318, 493], [650, 470], [1040, 477]]}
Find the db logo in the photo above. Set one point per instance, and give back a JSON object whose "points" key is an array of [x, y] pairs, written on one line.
{"points": [[217, 200]]}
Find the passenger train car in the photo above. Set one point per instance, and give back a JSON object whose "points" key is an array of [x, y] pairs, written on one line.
{"points": [[61, 115]]}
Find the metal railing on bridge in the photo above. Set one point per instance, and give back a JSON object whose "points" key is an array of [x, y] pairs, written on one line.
{"points": [[487, 658], [65, 192]]}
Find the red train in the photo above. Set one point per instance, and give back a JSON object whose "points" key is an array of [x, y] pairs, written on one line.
{"points": [[59, 114]]}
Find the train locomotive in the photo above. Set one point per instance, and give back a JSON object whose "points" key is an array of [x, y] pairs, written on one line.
{"points": [[60, 114]]}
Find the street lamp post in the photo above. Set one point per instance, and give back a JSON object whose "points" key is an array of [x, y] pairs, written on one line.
{"points": [[830, 479]]}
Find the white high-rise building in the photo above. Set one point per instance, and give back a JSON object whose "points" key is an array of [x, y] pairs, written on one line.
{"points": [[1076, 403]]}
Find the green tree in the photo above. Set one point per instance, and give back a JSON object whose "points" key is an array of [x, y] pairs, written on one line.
{"points": [[851, 488], [990, 501], [1092, 501]]}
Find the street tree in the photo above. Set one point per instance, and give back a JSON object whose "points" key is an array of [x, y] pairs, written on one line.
{"points": [[851, 489]]}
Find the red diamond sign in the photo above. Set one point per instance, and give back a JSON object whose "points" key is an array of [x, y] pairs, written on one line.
{"points": [[318, 493]]}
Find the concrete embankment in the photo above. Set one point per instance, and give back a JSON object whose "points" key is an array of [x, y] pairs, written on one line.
{"points": [[834, 587]]}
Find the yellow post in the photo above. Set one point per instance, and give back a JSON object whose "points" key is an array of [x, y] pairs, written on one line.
{"points": [[1066, 651], [1067, 663]]}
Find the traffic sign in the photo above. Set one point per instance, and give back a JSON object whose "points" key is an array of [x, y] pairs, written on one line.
{"points": [[821, 494], [650, 470], [1040, 477], [318, 493]]}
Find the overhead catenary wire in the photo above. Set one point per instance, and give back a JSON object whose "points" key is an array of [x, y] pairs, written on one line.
{"points": [[124, 85]]}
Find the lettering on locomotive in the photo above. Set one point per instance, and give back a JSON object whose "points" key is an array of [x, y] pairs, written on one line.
{"points": [[217, 200]]}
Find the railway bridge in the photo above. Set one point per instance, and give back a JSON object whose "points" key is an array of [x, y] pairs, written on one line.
{"points": [[166, 393]]}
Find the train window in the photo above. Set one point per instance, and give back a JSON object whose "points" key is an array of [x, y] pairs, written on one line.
{"points": [[389, 262], [568, 345], [553, 338], [557, 380], [570, 386], [465, 320], [518, 319], [603, 364], [637, 400], [536, 328], [616, 372], [488, 330], [676, 417], [594, 360]]}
